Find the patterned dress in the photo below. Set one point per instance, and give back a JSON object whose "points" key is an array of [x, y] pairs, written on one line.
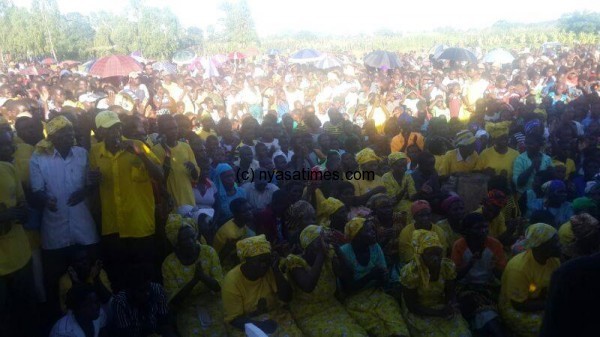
{"points": [[319, 313], [432, 296], [201, 313]]}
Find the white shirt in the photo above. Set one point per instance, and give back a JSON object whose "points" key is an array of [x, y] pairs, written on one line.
{"points": [[259, 200], [59, 178], [68, 326]]}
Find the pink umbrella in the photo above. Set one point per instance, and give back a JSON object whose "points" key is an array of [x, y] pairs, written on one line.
{"points": [[115, 65], [236, 56]]}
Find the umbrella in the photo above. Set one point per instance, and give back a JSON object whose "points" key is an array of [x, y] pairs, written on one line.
{"points": [[236, 55], [383, 59], [305, 56], [437, 50], [165, 66], [210, 69], [458, 54], [114, 65], [327, 62], [273, 52], [86, 66], [184, 57], [48, 61], [35, 71], [499, 56], [69, 63]]}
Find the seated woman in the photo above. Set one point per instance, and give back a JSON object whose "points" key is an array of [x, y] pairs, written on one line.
{"points": [[252, 291], [192, 276], [238, 228], [428, 282], [580, 206], [399, 185], [370, 183], [366, 275], [554, 201], [313, 277], [85, 316], [479, 260], [453, 207], [491, 208], [583, 237], [334, 216], [299, 215], [421, 212], [526, 279], [227, 191]]}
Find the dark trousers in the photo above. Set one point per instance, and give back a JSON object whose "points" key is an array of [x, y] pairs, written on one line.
{"points": [[55, 263], [120, 254], [19, 316]]}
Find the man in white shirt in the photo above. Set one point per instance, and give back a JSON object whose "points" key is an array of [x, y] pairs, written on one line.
{"points": [[259, 192], [60, 181]]}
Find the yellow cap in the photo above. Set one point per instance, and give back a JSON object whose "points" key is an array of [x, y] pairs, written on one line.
{"points": [[106, 119]]}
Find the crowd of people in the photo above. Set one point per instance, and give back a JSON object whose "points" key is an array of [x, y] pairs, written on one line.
{"points": [[280, 199]]}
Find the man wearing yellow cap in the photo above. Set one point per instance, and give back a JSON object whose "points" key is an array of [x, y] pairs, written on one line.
{"points": [[59, 182], [127, 168], [463, 159], [16, 276]]}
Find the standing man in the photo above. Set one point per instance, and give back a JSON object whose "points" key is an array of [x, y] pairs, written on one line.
{"points": [[59, 178], [127, 168]]}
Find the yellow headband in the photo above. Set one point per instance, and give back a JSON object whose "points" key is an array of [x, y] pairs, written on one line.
{"points": [[253, 246], [309, 234], [56, 124], [353, 227]]}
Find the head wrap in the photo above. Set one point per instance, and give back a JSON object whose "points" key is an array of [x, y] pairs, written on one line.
{"points": [[378, 200], [583, 204], [309, 234], [175, 223], [221, 168], [553, 186], [464, 138], [353, 227], [449, 201], [366, 155], [593, 186], [296, 212], [56, 124], [421, 240], [496, 198], [497, 129], [395, 156], [418, 206], [327, 208], [531, 126], [538, 234], [252, 246]]}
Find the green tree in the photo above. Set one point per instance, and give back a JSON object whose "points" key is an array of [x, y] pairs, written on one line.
{"points": [[581, 22], [239, 30], [192, 38]]}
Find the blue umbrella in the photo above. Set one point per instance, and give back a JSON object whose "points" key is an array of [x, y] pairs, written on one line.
{"points": [[165, 66], [305, 56], [383, 59], [458, 54]]}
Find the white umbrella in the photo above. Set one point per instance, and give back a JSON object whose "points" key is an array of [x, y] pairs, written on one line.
{"points": [[305, 56], [328, 62], [498, 56]]}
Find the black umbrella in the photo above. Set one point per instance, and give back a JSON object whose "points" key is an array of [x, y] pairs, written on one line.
{"points": [[383, 59], [458, 54]]}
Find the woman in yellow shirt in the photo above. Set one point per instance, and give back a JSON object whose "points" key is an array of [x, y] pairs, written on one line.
{"points": [[464, 158], [313, 277], [192, 277], [526, 279], [428, 281], [500, 157], [399, 185], [369, 183], [252, 291], [232, 231], [421, 212]]}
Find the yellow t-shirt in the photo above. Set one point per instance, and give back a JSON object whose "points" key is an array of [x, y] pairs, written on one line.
{"points": [[14, 246], [565, 234], [65, 284], [392, 189], [229, 232], [405, 241], [363, 186], [179, 181], [125, 191], [241, 296], [22, 155], [524, 278], [569, 164], [499, 162], [452, 165], [204, 134], [439, 163], [497, 225]]}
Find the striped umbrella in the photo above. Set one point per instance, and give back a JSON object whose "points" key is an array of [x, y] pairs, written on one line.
{"points": [[305, 56], [328, 62], [383, 59], [458, 54], [165, 66], [114, 65]]}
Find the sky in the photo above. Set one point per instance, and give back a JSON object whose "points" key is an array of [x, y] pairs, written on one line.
{"points": [[350, 17]]}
